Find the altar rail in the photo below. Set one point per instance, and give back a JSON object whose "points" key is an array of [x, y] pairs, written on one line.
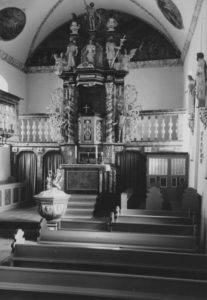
{"points": [[151, 126]]}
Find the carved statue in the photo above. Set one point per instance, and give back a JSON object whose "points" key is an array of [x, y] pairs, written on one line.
{"points": [[60, 63], [71, 53], [49, 180], [191, 92], [57, 180], [112, 50], [111, 24], [201, 77], [90, 52], [74, 27], [125, 59], [93, 16], [54, 182]]}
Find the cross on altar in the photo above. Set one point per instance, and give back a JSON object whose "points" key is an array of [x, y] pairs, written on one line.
{"points": [[86, 108]]}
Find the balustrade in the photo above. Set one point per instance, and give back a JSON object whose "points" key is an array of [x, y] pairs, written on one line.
{"points": [[149, 126], [35, 129], [158, 125]]}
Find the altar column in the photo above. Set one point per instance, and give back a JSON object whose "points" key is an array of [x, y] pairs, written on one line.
{"points": [[70, 111], [110, 136]]}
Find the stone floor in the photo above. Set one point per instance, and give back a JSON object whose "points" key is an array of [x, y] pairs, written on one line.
{"points": [[27, 214]]}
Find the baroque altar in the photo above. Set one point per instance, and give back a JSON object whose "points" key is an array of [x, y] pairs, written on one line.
{"points": [[93, 105]]}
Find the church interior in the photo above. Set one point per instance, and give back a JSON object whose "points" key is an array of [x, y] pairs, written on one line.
{"points": [[103, 149]]}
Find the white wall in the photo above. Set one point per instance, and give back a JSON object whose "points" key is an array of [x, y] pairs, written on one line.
{"points": [[39, 88], [158, 88], [16, 81]]}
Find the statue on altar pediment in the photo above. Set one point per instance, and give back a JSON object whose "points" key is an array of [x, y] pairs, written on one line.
{"points": [[60, 63], [94, 18], [71, 53], [111, 24], [74, 26], [92, 55], [112, 50], [90, 52], [126, 58]]}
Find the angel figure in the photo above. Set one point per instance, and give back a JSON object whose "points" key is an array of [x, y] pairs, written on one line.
{"points": [[60, 63], [125, 59]]}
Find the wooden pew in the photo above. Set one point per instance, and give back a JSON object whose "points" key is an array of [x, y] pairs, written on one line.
{"points": [[24, 283], [145, 212], [118, 239], [83, 225], [139, 262], [154, 228], [152, 219]]}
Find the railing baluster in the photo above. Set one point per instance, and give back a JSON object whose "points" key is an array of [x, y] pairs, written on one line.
{"points": [[149, 130], [163, 128], [28, 131], [170, 131], [156, 127], [34, 131]]}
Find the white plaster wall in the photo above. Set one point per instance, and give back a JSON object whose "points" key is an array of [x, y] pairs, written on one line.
{"points": [[16, 81], [158, 88], [39, 88]]}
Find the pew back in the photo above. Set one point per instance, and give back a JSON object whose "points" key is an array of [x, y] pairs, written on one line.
{"points": [[55, 284]]}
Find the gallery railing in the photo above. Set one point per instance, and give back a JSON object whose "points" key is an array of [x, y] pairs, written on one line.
{"points": [[161, 125], [149, 126], [35, 128]]}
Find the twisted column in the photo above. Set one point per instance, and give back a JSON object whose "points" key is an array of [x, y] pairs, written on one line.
{"points": [[109, 86]]}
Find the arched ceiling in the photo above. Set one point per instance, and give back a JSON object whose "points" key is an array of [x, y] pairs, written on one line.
{"points": [[44, 16]]}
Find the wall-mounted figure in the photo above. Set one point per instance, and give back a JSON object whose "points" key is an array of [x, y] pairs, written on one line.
{"points": [[71, 53], [191, 93], [94, 18], [201, 79]]}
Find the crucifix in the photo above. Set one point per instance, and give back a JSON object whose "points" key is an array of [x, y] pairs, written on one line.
{"points": [[86, 108]]}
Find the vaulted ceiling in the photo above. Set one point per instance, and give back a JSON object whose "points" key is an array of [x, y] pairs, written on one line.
{"points": [[24, 29]]}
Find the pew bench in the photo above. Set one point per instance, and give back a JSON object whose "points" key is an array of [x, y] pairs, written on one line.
{"points": [[145, 212], [169, 229], [83, 225], [154, 263], [25, 283], [118, 239], [153, 220]]}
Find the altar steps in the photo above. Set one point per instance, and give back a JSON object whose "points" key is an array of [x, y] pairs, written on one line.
{"points": [[81, 206]]}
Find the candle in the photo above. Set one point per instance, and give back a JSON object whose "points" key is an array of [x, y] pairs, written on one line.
{"points": [[75, 152]]}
